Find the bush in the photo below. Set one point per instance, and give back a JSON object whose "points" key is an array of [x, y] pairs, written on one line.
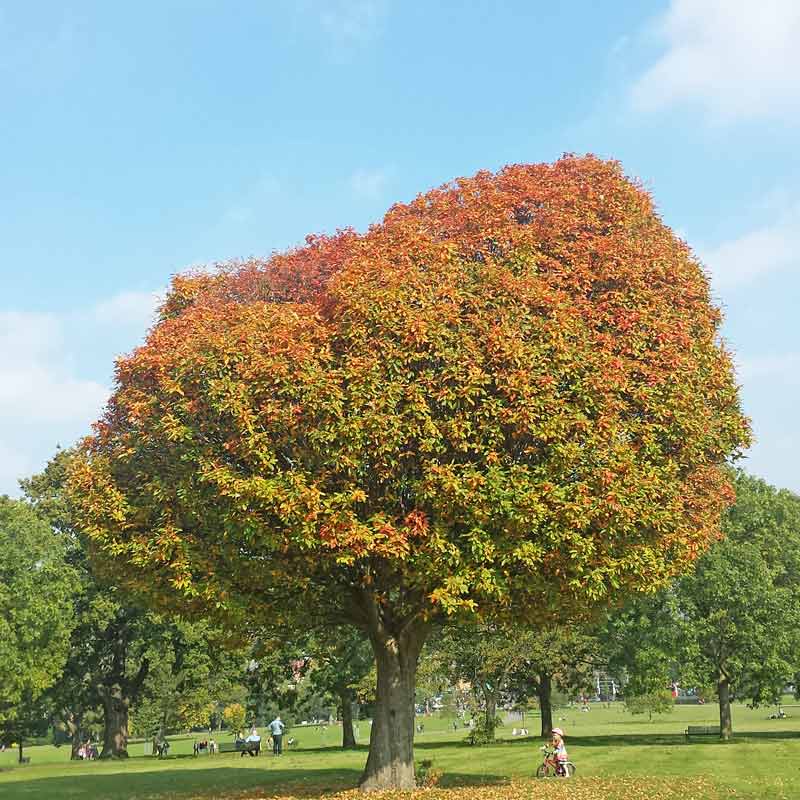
{"points": [[484, 731], [656, 702], [427, 775]]}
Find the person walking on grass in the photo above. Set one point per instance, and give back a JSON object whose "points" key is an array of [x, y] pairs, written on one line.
{"points": [[276, 728]]}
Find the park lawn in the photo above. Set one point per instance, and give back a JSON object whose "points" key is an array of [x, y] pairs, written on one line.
{"points": [[617, 756]]}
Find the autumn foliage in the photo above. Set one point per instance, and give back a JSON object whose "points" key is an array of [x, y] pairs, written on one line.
{"points": [[510, 394]]}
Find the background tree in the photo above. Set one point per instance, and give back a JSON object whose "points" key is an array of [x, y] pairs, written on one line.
{"points": [[74, 697], [30, 717], [562, 656], [189, 671], [511, 394], [732, 625], [36, 588], [734, 622], [741, 608], [659, 701], [339, 661], [482, 657], [642, 643], [235, 716], [110, 650]]}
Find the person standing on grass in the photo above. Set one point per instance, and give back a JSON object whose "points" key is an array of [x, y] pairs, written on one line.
{"points": [[276, 728]]}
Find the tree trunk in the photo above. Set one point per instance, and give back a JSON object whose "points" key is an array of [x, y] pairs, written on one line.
{"points": [[76, 732], [390, 764], [115, 723], [348, 737], [544, 691], [19, 746], [724, 694], [489, 713]]}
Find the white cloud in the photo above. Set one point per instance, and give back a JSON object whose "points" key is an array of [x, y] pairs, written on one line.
{"points": [[43, 401], [370, 183], [37, 383], [770, 248], [14, 464], [769, 393], [49, 392], [129, 308], [733, 58]]}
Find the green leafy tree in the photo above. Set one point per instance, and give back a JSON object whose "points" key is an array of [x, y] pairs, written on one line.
{"points": [[510, 396], [36, 598], [741, 607], [733, 616], [189, 671], [734, 622], [659, 701], [481, 658], [559, 656], [642, 643], [30, 717], [111, 646], [339, 660], [235, 716]]}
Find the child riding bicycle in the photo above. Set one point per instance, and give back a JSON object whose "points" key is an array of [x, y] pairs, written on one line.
{"points": [[559, 757]]}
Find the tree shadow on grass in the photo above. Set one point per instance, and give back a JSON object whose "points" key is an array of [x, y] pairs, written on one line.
{"points": [[619, 740], [227, 782], [215, 783], [675, 739]]}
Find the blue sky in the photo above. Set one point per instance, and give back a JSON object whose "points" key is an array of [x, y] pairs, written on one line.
{"points": [[137, 140]]}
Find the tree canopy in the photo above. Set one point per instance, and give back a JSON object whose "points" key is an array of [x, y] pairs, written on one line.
{"points": [[740, 609], [36, 588], [731, 625], [511, 394]]}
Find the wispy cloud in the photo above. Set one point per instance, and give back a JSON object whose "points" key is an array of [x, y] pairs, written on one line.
{"points": [[784, 366], [770, 248], [732, 58], [370, 184], [250, 203], [351, 22], [128, 308]]}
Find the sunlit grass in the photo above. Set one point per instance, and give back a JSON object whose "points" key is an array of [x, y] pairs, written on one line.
{"points": [[617, 756]]}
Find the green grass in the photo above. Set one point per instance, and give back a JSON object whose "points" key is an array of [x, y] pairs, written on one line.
{"points": [[762, 762]]}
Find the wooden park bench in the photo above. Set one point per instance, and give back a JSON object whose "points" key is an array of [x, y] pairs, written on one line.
{"points": [[703, 730], [253, 748]]}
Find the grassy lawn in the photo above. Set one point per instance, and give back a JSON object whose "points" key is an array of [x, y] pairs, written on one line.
{"points": [[617, 756]]}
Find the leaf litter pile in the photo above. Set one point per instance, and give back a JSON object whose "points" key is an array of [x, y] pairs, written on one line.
{"points": [[616, 788]]}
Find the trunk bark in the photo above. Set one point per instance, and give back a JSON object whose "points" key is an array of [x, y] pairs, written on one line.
{"points": [[19, 745], [390, 764], [489, 714], [724, 695], [348, 737], [76, 731], [115, 723], [544, 692]]}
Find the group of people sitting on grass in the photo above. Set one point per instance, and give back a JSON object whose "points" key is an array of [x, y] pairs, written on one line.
{"points": [[87, 751]]}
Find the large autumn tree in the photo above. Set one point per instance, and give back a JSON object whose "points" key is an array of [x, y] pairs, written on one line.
{"points": [[509, 396]]}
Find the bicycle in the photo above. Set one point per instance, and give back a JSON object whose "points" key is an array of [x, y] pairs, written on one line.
{"points": [[551, 768]]}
